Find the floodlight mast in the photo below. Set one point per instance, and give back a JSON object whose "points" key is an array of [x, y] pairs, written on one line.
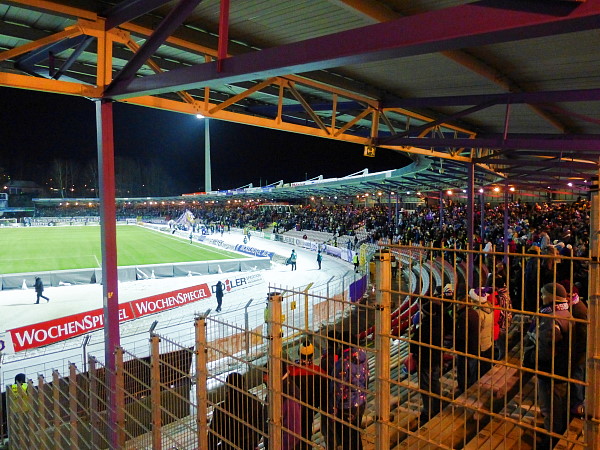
{"points": [[207, 167]]}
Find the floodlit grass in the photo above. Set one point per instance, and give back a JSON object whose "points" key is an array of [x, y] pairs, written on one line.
{"points": [[78, 247]]}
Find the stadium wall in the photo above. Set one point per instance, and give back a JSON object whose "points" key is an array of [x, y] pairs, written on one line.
{"points": [[133, 273]]}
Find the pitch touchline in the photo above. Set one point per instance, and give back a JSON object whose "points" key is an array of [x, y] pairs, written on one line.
{"points": [[199, 244]]}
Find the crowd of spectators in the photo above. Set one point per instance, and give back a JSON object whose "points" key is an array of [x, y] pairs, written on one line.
{"points": [[529, 223]]}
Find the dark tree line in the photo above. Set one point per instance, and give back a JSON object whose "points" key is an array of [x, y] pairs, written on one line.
{"points": [[134, 177]]}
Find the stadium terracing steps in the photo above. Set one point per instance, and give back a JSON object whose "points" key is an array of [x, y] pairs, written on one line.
{"points": [[486, 416]]}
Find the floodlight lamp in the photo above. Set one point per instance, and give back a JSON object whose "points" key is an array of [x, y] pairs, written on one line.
{"points": [[481, 190], [569, 184], [511, 189], [379, 193], [464, 191], [418, 193], [496, 189], [407, 192], [449, 192]]}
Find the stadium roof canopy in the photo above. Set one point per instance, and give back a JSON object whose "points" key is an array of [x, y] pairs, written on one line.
{"points": [[508, 87]]}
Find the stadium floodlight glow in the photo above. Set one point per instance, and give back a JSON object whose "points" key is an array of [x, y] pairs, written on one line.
{"points": [[464, 191], [496, 189], [585, 181], [418, 193], [335, 198], [569, 184], [481, 190], [511, 189], [312, 198], [449, 192], [379, 193], [407, 192]]}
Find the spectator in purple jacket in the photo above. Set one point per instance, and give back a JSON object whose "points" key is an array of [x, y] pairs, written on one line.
{"points": [[350, 393]]}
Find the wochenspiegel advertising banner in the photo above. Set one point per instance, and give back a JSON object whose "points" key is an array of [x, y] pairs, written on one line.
{"points": [[49, 332]]}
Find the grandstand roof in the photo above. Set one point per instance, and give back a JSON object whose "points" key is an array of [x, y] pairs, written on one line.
{"points": [[512, 86]]}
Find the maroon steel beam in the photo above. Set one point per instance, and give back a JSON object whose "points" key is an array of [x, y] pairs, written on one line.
{"points": [[562, 143], [532, 98], [541, 163], [108, 233], [223, 33], [469, 25]]}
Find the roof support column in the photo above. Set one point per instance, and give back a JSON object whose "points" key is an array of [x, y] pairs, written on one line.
{"points": [[592, 430], [108, 231], [441, 209], [223, 33], [397, 200], [470, 220], [506, 224], [482, 216], [207, 166]]}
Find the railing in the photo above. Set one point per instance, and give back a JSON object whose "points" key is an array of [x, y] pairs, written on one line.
{"points": [[304, 378]]}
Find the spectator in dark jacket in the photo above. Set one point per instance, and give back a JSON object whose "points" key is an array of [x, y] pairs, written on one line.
{"points": [[312, 387], [431, 331], [579, 310], [329, 358], [552, 339], [239, 420], [466, 340]]}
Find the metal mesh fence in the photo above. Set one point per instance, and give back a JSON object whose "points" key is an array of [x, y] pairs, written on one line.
{"points": [[447, 349]]}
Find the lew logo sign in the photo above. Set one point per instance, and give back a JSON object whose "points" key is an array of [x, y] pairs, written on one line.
{"points": [[231, 284], [44, 333]]}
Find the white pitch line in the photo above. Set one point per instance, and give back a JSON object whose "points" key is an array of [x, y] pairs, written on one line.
{"points": [[97, 262], [200, 244]]}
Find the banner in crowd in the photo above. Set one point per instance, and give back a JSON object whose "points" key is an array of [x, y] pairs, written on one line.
{"points": [[51, 331]]}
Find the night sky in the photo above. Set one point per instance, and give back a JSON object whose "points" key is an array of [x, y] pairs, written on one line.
{"points": [[37, 128]]}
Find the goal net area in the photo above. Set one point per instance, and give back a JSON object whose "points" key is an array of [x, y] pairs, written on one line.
{"points": [[8, 222]]}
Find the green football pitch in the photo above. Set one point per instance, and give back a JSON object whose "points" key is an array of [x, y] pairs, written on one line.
{"points": [[60, 248]]}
